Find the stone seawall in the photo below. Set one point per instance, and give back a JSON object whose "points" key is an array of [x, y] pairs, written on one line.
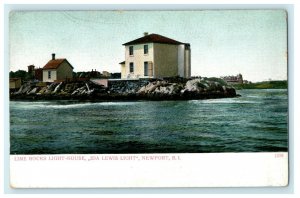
{"points": [[127, 86]]}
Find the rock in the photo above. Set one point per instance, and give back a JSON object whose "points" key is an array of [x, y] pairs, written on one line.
{"points": [[33, 91], [231, 91], [192, 85], [24, 89], [69, 88], [79, 91], [42, 91], [142, 90], [57, 88], [52, 86], [150, 89]]}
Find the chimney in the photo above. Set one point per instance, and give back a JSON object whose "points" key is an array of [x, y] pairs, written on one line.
{"points": [[30, 68], [53, 56], [145, 33]]}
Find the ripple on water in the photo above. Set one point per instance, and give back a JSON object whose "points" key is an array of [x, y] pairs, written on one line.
{"points": [[255, 122]]}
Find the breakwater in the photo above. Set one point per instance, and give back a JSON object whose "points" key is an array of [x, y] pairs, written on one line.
{"points": [[143, 89]]}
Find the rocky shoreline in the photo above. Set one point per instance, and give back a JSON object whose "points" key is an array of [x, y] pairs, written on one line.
{"points": [[167, 89]]}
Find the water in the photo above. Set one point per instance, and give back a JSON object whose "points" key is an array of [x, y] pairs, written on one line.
{"points": [[255, 122]]}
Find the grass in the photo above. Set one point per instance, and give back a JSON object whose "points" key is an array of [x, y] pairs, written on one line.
{"points": [[219, 80], [279, 84]]}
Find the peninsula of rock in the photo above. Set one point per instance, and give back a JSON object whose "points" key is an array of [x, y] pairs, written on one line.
{"points": [[142, 89]]}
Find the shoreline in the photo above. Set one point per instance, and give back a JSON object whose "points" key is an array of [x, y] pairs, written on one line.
{"points": [[129, 97], [157, 90]]}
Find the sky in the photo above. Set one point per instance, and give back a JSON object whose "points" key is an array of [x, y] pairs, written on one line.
{"points": [[223, 42]]}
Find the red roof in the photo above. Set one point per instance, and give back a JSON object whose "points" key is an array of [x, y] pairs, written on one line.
{"points": [[54, 64], [153, 38]]}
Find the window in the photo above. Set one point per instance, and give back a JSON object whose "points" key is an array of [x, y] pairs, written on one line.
{"points": [[131, 50], [49, 74], [145, 49], [131, 69], [146, 69]]}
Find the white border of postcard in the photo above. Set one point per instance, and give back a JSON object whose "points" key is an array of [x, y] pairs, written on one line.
{"points": [[41, 173], [149, 170]]}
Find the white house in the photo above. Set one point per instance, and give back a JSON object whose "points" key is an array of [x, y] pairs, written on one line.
{"points": [[156, 56], [57, 70]]}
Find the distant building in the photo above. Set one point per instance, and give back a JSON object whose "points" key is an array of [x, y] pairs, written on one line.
{"points": [[87, 75], [15, 83], [106, 74], [233, 79], [36, 74], [57, 70], [155, 56], [31, 69], [94, 74]]}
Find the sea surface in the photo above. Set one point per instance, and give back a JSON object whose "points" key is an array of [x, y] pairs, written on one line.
{"points": [[254, 122]]}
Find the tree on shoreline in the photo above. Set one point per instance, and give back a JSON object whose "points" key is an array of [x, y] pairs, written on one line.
{"points": [[20, 74]]}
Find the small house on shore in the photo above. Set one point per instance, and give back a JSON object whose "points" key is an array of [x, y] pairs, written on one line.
{"points": [[57, 70], [156, 56], [14, 83]]}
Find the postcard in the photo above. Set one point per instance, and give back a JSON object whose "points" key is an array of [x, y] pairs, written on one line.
{"points": [[148, 98]]}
